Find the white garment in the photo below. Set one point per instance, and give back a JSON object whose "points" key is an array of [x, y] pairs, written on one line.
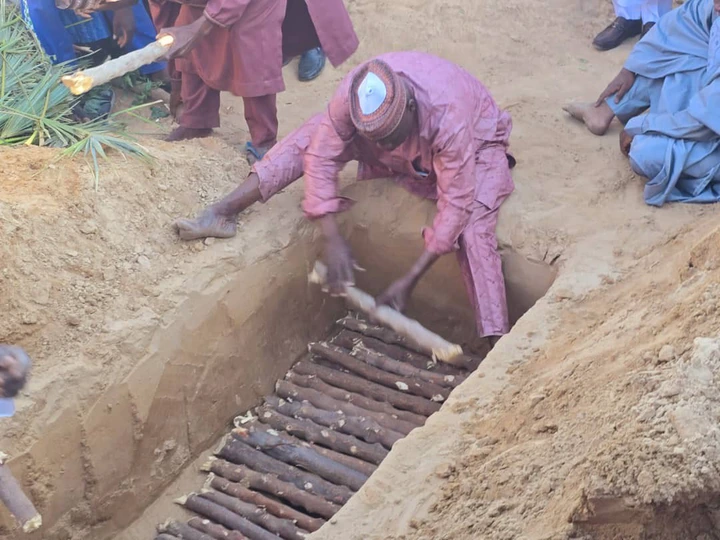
{"points": [[371, 93], [645, 10]]}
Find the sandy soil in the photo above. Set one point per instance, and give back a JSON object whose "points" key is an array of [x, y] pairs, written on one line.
{"points": [[577, 414]]}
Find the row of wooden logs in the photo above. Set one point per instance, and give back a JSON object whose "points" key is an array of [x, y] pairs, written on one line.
{"points": [[316, 441]]}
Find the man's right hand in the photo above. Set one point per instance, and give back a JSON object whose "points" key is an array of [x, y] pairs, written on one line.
{"points": [[618, 86], [340, 265], [338, 258], [185, 38]]}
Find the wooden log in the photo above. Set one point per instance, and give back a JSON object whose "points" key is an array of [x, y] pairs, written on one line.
{"points": [[342, 358], [347, 381], [366, 333], [15, 500], [271, 484], [363, 428], [314, 433], [410, 329], [219, 514], [276, 508], [181, 530], [302, 457], [354, 398], [290, 391], [83, 81], [354, 463], [236, 451], [381, 361], [214, 530], [281, 527]]}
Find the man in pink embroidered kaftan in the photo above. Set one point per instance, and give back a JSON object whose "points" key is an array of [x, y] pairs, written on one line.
{"points": [[422, 121], [238, 46]]}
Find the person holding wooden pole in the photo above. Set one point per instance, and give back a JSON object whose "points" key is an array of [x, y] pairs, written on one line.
{"points": [[237, 46], [427, 124]]}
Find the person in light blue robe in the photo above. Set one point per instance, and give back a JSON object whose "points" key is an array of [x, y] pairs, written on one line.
{"points": [[668, 97]]}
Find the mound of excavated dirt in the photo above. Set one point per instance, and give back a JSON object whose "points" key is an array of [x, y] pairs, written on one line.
{"points": [[610, 429]]}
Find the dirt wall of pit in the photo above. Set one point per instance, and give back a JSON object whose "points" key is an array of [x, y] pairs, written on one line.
{"points": [[187, 335]]}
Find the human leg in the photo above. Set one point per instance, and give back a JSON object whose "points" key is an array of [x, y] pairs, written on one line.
{"points": [[652, 10], [262, 121], [597, 118], [50, 30], [481, 268], [202, 109]]}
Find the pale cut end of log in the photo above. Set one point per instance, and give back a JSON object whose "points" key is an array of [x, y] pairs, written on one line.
{"points": [[182, 501], [207, 466], [209, 481], [33, 524], [3, 458], [163, 527]]}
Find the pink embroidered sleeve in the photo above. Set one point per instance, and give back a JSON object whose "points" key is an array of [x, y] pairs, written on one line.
{"points": [[327, 155], [454, 165], [225, 13]]}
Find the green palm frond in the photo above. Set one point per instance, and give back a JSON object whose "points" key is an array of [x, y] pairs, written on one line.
{"points": [[36, 108]]}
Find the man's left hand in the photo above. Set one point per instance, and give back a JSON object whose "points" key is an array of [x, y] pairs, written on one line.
{"points": [[625, 142], [123, 26], [397, 294]]}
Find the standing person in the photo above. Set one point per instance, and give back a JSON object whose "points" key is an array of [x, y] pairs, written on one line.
{"points": [[633, 18], [237, 46], [399, 118]]}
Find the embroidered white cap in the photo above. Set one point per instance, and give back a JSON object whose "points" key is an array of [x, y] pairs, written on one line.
{"points": [[371, 93]]}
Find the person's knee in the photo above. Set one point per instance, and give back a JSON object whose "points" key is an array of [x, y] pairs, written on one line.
{"points": [[647, 155]]}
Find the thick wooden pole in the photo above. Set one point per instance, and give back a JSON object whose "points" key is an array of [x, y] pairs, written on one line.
{"points": [[347, 381], [272, 485], [283, 528], [416, 387], [314, 433], [83, 81], [412, 330], [181, 530], [223, 516], [367, 334], [382, 361], [354, 398], [273, 506], [13, 497], [242, 454], [363, 428], [288, 390], [301, 457], [349, 461], [218, 532]]}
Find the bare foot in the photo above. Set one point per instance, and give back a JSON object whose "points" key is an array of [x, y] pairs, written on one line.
{"points": [[185, 134], [596, 119], [208, 224]]}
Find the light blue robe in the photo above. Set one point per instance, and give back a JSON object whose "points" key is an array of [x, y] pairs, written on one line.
{"points": [[677, 143]]}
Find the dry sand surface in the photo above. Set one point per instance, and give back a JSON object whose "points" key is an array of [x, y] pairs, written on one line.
{"points": [[596, 418]]}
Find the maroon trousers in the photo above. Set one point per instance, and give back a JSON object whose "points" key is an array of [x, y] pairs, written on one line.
{"points": [[202, 111]]}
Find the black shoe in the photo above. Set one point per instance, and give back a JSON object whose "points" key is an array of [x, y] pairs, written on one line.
{"points": [[618, 31], [311, 64], [646, 28]]}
